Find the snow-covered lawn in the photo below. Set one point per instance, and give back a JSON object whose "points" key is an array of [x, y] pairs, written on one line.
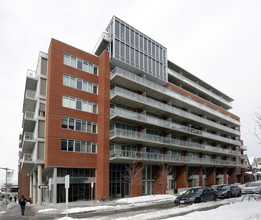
{"points": [[232, 209]]}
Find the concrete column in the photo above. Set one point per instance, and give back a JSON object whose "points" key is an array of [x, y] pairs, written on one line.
{"points": [[34, 188], [54, 183], [39, 191], [31, 187]]}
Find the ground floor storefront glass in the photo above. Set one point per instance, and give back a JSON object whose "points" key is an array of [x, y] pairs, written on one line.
{"points": [[77, 192], [80, 184], [119, 187], [148, 180]]}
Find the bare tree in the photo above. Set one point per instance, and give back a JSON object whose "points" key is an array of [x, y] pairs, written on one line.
{"points": [[258, 126], [132, 174], [163, 175]]}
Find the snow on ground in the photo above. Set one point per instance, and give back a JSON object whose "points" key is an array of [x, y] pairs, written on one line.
{"points": [[235, 211], [47, 210], [232, 209], [159, 198], [118, 204]]}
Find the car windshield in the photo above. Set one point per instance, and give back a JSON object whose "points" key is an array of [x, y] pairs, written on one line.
{"points": [[193, 191], [222, 187], [253, 184]]}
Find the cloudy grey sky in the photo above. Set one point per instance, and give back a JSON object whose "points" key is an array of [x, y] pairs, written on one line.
{"points": [[216, 40]]}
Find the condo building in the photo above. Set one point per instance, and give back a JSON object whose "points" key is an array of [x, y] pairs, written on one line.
{"points": [[123, 121]]}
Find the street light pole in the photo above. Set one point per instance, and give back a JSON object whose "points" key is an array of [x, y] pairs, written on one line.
{"points": [[5, 182]]}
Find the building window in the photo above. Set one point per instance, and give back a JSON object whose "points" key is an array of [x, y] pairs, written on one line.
{"points": [[78, 146], [79, 125], [80, 64], [79, 104], [78, 83]]}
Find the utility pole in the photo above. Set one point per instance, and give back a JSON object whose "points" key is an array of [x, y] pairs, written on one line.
{"points": [[5, 182]]}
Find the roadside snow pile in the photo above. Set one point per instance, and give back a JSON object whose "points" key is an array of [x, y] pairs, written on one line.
{"points": [[3, 212], [239, 211], [152, 198], [86, 209], [178, 210], [47, 210]]}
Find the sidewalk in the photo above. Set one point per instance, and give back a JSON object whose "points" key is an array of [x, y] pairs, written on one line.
{"points": [[13, 212]]}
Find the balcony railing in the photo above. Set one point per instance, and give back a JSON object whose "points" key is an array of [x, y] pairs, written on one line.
{"points": [[29, 115], [143, 156], [27, 157], [31, 73], [168, 91], [171, 125], [29, 136], [137, 116], [168, 141], [185, 79], [30, 94], [243, 147]]}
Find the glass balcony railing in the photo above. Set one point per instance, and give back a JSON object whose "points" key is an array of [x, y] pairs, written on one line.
{"points": [[167, 140], [29, 136], [169, 92], [31, 73], [184, 79], [27, 157], [143, 156], [179, 112], [29, 115], [30, 94], [243, 147], [172, 125]]}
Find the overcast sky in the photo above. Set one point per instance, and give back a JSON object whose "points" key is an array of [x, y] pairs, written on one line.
{"points": [[219, 41]]}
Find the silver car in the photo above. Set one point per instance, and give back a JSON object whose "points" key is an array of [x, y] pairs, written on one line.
{"points": [[253, 187]]}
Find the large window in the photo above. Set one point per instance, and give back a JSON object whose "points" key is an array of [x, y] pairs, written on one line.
{"points": [[78, 146], [79, 125], [80, 64], [78, 83], [80, 104]]}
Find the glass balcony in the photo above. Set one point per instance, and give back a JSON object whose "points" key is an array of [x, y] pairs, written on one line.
{"points": [[122, 112], [146, 156], [161, 106], [182, 78], [29, 115], [30, 94], [133, 135], [31, 73], [171, 125], [169, 92], [243, 147], [29, 136], [27, 157]]}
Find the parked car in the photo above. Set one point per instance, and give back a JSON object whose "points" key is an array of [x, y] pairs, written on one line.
{"points": [[196, 195], [227, 191], [253, 187]]}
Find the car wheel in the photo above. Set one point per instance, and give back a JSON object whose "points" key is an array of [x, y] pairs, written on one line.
{"points": [[215, 198], [197, 200], [239, 194], [229, 194]]}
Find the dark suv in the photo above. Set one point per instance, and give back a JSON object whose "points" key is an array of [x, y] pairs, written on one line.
{"points": [[196, 195]]}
